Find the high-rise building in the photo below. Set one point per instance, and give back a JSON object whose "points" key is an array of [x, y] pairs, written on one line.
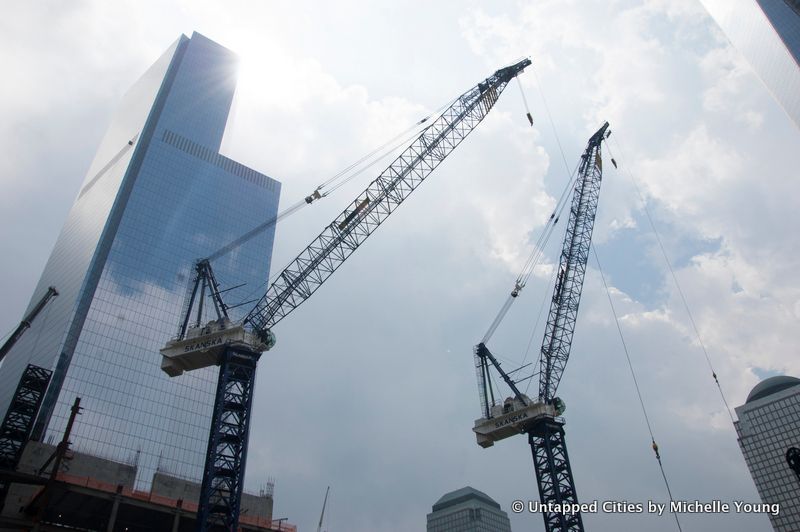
{"points": [[768, 427], [767, 33], [467, 510], [157, 196]]}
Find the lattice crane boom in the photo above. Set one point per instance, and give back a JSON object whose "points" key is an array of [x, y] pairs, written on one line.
{"points": [[572, 270]]}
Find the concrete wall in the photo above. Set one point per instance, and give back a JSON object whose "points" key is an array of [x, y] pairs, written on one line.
{"points": [[177, 488], [80, 465]]}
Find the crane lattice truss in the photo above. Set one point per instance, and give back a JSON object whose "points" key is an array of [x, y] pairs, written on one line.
{"points": [[223, 473], [572, 269], [15, 430], [18, 422]]}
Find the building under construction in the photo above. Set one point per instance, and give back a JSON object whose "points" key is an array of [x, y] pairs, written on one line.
{"points": [[53, 487], [92, 493]]}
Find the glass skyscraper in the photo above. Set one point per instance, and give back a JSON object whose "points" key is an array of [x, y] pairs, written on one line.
{"points": [[157, 196], [767, 33], [768, 427]]}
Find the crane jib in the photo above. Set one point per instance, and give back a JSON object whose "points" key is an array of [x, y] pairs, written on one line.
{"points": [[341, 238]]}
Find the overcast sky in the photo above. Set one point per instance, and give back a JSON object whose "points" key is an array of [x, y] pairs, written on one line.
{"points": [[371, 387]]}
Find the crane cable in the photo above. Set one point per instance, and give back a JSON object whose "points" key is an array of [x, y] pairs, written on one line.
{"points": [[636, 384], [536, 329], [566, 167], [533, 259], [524, 101], [550, 117], [317, 194], [677, 285], [538, 249], [414, 132], [536, 254]]}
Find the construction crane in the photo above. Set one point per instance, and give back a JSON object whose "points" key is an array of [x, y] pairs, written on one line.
{"points": [[25, 324], [237, 346], [541, 419], [322, 513]]}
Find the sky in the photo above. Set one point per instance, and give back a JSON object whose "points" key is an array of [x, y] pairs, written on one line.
{"points": [[371, 388]]}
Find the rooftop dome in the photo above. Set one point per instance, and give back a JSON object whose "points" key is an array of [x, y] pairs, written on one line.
{"points": [[771, 385]]}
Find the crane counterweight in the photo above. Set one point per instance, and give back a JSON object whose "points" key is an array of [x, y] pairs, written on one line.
{"points": [[509, 419], [204, 346]]}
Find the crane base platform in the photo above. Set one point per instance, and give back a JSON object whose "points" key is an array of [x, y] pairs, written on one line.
{"points": [[511, 418]]}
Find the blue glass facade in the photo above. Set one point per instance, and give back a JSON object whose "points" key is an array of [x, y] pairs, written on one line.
{"points": [[767, 33], [157, 196]]}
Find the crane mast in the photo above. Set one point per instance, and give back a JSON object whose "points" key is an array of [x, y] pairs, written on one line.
{"points": [[236, 347], [540, 419]]}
